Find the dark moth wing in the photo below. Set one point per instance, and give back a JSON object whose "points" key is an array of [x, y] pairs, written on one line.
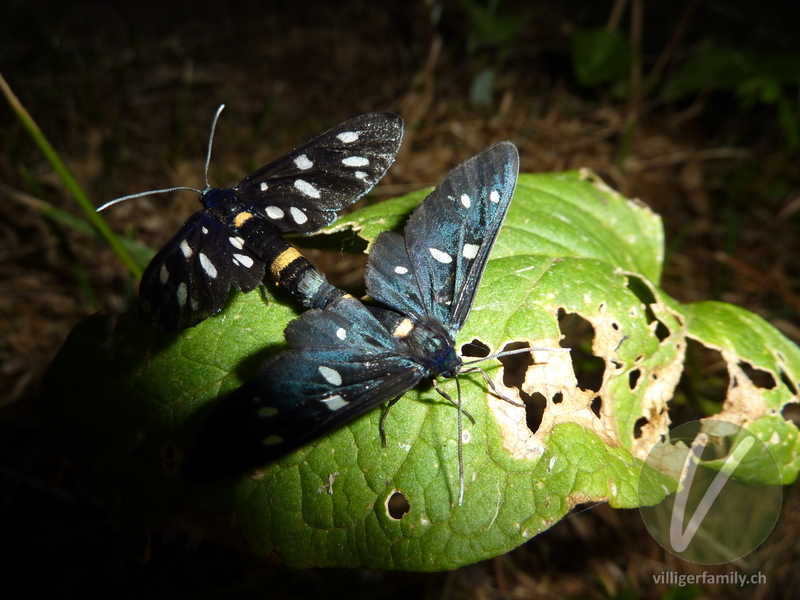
{"points": [[190, 278], [304, 190], [434, 271], [343, 363], [229, 242]]}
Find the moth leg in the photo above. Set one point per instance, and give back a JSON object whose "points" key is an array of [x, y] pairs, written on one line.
{"points": [[493, 387], [453, 402], [385, 414], [262, 291]]}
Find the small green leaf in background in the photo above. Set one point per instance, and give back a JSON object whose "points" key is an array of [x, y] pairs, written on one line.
{"points": [[600, 56], [756, 79], [126, 402], [482, 87]]}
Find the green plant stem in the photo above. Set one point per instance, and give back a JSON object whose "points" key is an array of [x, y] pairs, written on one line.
{"points": [[69, 180]]}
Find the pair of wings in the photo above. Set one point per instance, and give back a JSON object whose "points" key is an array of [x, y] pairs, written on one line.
{"points": [[343, 359], [222, 246]]}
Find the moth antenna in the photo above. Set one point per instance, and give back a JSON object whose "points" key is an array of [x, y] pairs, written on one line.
{"points": [[472, 369], [148, 193], [503, 353], [460, 432], [460, 447], [211, 140], [585, 509], [173, 189]]}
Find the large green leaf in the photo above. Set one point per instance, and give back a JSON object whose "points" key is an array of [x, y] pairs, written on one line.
{"points": [[126, 402]]}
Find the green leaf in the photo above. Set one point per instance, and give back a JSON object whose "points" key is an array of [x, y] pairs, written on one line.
{"points": [[126, 403], [745, 339], [713, 67]]}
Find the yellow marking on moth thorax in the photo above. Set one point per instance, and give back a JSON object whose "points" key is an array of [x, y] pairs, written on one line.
{"points": [[242, 218], [403, 328], [283, 260]]}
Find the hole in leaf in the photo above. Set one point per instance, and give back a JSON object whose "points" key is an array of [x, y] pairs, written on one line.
{"points": [[646, 297], [788, 382], [578, 336], [638, 426], [397, 505], [597, 404], [641, 291], [662, 332], [475, 349], [759, 377], [633, 378], [703, 385], [644, 294], [791, 412], [515, 367], [534, 410]]}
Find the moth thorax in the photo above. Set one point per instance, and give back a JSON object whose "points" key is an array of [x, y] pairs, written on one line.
{"points": [[436, 350], [219, 201]]}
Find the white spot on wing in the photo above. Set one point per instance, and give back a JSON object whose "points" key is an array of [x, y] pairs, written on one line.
{"points": [[204, 230], [237, 242], [334, 402], [494, 196], [299, 216], [332, 376], [163, 275], [341, 333], [306, 188], [243, 260], [273, 212], [360, 175], [465, 201], [355, 161], [348, 137], [264, 186], [400, 270], [180, 294], [470, 251], [186, 249], [208, 266], [303, 162], [442, 257]]}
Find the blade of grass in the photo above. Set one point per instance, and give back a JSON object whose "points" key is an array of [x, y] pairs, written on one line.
{"points": [[78, 272], [141, 253], [69, 180]]}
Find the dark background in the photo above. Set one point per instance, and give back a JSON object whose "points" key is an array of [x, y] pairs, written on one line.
{"points": [[125, 92]]}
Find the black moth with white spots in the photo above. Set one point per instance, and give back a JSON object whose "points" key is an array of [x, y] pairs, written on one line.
{"points": [[238, 232], [351, 356]]}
